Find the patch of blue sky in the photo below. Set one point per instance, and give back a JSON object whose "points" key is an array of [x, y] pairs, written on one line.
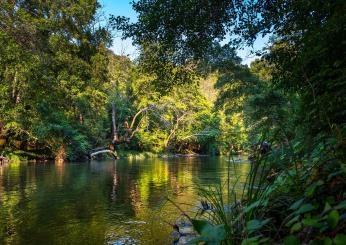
{"points": [[125, 47]]}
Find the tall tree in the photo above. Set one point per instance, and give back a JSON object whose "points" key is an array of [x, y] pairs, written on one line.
{"points": [[54, 66]]}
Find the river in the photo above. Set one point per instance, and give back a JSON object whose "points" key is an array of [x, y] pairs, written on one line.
{"points": [[100, 202]]}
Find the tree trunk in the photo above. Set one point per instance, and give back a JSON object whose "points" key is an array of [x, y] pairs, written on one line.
{"points": [[81, 118], [114, 125], [169, 137]]}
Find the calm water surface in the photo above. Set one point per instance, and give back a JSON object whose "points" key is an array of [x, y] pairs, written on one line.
{"points": [[101, 202]]}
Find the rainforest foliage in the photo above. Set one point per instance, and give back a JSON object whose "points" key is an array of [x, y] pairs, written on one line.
{"points": [[61, 89], [63, 93], [293, 98]]}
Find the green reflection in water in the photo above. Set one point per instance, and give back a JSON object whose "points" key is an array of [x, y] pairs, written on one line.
{"points": [[98, 202]]}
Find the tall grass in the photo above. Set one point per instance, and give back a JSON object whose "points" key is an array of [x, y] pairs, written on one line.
{"points": [[305, 200], [224, 204]]}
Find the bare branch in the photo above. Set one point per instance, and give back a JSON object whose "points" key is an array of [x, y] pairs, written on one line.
{"points": [[113, 153]]}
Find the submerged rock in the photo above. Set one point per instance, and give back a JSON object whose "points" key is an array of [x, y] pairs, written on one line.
{"points": [[185, 239], [184, 231], [175, 236], [187, 230], [183, 222]]}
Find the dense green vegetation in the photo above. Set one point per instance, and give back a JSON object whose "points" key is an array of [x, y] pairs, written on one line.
{"points": [[53, 73], [62, 89], [293, 97], [64, 93], [58, 81]]}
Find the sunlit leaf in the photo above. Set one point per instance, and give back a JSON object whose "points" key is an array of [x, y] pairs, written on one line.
{"points": [[333, 218], [340, 239]]}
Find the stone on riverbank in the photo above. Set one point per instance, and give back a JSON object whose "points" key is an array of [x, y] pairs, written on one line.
{"points": [[184, 231]]}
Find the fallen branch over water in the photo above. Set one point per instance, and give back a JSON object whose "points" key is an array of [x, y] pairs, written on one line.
{"points": [[103, 150]]}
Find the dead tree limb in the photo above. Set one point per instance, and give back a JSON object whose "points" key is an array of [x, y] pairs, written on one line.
{"points": [[113, 153]]}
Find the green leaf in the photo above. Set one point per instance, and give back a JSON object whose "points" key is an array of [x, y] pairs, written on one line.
{"points": [[264, 240], [255, 224], [199, 225], [311, 222], [341, 205], [311, 189], [296, 227], [251, 241], [297, 204], [305, 208], [327, 207], [209, 233], [295, 219], [291, 240], [343, 167], [324, 228], [247, 242], [333, 219], [340, 239], [254, 205], [327, 241]]}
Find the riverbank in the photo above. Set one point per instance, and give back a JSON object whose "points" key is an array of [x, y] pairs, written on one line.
{"points": [[147, 155], [26, 156]]}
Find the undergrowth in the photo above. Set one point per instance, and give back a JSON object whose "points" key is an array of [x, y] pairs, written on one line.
{"points": [[293, 195]]}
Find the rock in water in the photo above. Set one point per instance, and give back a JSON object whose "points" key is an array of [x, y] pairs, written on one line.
{"points": [[185, 240], [175, 236], [185, 231]]}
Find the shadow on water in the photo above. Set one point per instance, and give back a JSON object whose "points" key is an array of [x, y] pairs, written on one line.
{"points": [[100, 202]]}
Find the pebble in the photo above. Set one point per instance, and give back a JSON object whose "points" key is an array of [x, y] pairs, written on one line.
{"points": [[187, 230], [175, 236]]}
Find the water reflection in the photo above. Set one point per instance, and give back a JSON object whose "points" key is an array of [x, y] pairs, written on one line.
{"points": [[97, 202]]}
